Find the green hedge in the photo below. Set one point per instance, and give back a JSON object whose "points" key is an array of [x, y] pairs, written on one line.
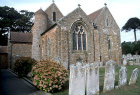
{"points": [[23, 66]]}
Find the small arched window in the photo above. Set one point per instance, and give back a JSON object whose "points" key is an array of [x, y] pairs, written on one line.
{"points": [[49, 47], [54, 16], [79, 37], [109, 45], [107, 23]]}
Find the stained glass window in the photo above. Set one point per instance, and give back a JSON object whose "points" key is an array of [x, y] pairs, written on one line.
{"points": [[74, 41], [84, 41], [79, 41], [79, 38]]}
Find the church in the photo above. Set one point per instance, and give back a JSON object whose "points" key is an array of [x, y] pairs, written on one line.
{"points": [[76, 37]]}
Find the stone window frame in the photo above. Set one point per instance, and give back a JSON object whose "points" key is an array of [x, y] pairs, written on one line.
{"points": [[108, 42], [107, 22], [54, 16], [79, 23], [43, 48], [49, 49]]}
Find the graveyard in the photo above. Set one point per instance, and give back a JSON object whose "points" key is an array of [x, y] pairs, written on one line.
{"points": [[116, 86]]}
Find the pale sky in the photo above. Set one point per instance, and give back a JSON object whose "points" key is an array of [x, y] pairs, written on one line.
{"points": [[121, 10]]}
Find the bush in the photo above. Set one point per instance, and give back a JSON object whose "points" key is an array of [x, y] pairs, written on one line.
{"points": [[23, 66], [49, 76]]}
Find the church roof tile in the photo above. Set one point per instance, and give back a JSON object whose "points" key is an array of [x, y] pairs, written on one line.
{"points": [[21, 37], [95, 14]]}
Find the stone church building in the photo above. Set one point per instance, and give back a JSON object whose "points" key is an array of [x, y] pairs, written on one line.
{"points": [[71, 38]]}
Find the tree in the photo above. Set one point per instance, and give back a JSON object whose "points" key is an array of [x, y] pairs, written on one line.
{"points": [[130, 47], [12, 20], [132, 24]]}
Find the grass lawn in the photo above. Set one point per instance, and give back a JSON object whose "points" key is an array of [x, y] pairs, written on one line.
{"points": [[125, 90]]}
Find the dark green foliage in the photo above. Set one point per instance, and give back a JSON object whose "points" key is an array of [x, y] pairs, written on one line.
{"points": [[132, 24], [130, 47], [12, 20], [23, 66]]}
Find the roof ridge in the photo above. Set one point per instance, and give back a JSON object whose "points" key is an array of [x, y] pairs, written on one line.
{"points": [[95, 14]]}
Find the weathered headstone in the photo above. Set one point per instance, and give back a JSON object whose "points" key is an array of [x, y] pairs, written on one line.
{"points": [[124, 62], [77, 80], [131, 63], [101, 64], [129, 56], [109, 76], [137, 59], [122, 76], [92, 83], [134, 76]]}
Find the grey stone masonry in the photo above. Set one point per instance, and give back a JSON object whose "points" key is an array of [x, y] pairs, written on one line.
{"points": [[122, 76], [134, 76], [109, 78]]}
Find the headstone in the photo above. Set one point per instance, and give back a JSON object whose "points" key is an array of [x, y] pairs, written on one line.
{"points": [[134, 76], [109, 78], [77, 80], [131, 63], [124, 62], [122, 76], [137, 59], [129, 56], [92, 83], [101, 64]]}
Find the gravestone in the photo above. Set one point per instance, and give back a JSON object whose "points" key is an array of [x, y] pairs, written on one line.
{"points": [[92, 83], [124, 62], [122, 76], [129, 56], [109, 75], [131, 63], [77, 80], [134, 76], [101, 64], [137, 59]]}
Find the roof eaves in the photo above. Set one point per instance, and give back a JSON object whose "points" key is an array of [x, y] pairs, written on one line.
{"points": [[49, 29]]}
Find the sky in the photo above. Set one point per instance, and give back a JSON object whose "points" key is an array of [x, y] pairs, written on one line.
{"points": [[122, 10]]}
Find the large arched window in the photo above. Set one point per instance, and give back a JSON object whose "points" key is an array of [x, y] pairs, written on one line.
{"points": [[79, 37]]}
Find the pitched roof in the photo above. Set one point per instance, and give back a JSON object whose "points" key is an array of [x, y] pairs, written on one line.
{"points": [[53, 8], [40, 11], [3, 49], [94, 15], [21, 37]]}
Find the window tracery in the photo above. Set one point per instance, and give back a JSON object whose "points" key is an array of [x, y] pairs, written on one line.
{"points": [[79, 38]]}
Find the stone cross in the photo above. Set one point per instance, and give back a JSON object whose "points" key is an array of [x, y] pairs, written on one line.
{"points": [[134, 76], [53, 1], [105, 4], [79, 5], [109, 78], [122, 76]]}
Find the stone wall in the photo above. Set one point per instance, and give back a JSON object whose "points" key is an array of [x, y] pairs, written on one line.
{"points": [[40, 26], [78, 16], [110, 31], [20, 50], [48, 44]]}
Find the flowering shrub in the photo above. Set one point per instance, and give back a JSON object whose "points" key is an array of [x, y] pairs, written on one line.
{"points": [[49, 76], [23, 66]]}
